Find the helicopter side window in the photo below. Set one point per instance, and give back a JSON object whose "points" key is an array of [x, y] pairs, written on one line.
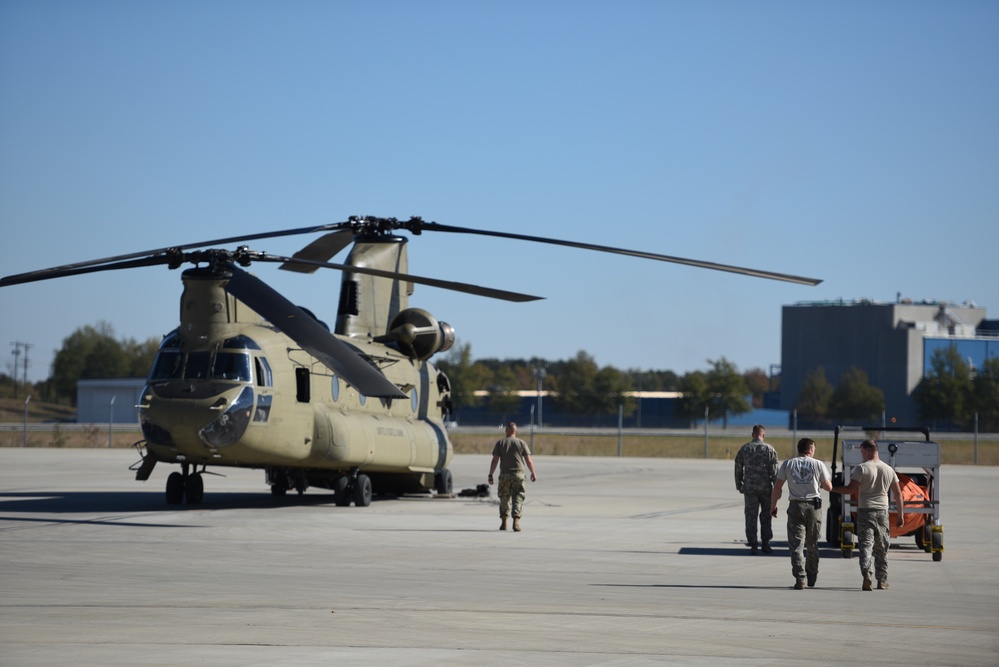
{"points": [[264, 376], [232, 366], [302, 379], [263, 411], [198, 365]]}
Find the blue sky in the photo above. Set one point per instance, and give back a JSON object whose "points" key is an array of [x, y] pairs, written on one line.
{"points": [[855, 142]]}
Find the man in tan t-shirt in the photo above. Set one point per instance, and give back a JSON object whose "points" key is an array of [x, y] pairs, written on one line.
{"points": [[871, 480], [512, 455]]}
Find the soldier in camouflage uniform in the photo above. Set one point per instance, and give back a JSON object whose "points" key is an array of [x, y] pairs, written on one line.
{"points": [[512, 455], [871, 480], [755, 473]]}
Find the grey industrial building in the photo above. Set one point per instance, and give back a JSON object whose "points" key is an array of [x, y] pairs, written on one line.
{"points": [[892, 342]]}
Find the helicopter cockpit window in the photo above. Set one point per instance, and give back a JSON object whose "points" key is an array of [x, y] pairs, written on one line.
{"points": [[240, 342], [198, 366], [232, 366], [169, 365], [172, 340]]}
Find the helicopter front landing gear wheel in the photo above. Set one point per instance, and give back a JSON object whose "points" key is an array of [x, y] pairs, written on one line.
{"points": [[194, 489], [175, 489], [185, 484]]}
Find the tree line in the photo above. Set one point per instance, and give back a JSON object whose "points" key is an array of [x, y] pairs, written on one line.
{"points": [[581, 386], [90, 352], [954, 392], [951, 393]]}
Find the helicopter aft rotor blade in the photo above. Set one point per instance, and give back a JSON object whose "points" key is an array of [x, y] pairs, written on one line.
{"points": [[308, 333], [419, 280], [322, 249], [343, 232], [801, 280]]}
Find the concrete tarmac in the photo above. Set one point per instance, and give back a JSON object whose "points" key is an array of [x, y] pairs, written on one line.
{"points": [[621, 562]]}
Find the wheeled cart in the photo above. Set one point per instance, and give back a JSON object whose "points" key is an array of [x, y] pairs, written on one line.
{"points": [[917, 463]]}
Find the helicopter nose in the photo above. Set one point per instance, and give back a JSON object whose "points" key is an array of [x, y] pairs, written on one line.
{"points": [[179, 420], [229, 426]]}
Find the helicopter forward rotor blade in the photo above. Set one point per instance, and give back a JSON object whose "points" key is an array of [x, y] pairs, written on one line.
{"points": [[419, 280], [62, 272], [772, 275], [307, 332], [73, 269]]}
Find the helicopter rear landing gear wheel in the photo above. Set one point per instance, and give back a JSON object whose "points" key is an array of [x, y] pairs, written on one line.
{"points": [[362, 491], [175, 489], [444, 482], [341, 491]]}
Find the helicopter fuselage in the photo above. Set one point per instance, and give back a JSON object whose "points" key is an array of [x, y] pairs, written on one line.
{"points": [[229, 389]]}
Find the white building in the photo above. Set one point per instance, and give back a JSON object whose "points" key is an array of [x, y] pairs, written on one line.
{"points": [[108, 401]]}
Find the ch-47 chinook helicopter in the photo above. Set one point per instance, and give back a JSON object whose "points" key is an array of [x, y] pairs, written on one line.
{"points": [[248, 379]]}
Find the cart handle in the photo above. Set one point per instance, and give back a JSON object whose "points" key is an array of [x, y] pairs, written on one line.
{"points": [[918, 429]]}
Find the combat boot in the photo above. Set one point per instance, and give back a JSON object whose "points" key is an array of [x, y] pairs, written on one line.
{"points": [[867, 584], [516, 524], [503, 523]]}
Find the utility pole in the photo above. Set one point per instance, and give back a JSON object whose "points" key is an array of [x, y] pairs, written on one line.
{"points": [[18, 347], [17, 353], [540, 371], [24, 375]]}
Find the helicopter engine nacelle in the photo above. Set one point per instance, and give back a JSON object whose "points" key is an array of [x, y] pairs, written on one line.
{"points": [[419, 334]]}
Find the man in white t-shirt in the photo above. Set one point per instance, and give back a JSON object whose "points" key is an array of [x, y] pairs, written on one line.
{"points": [[805, 476]]}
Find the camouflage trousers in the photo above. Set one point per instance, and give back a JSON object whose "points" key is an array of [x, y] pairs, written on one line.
{"points": [[804, 525], [873, 538], [758, 504], [511, 493]]}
